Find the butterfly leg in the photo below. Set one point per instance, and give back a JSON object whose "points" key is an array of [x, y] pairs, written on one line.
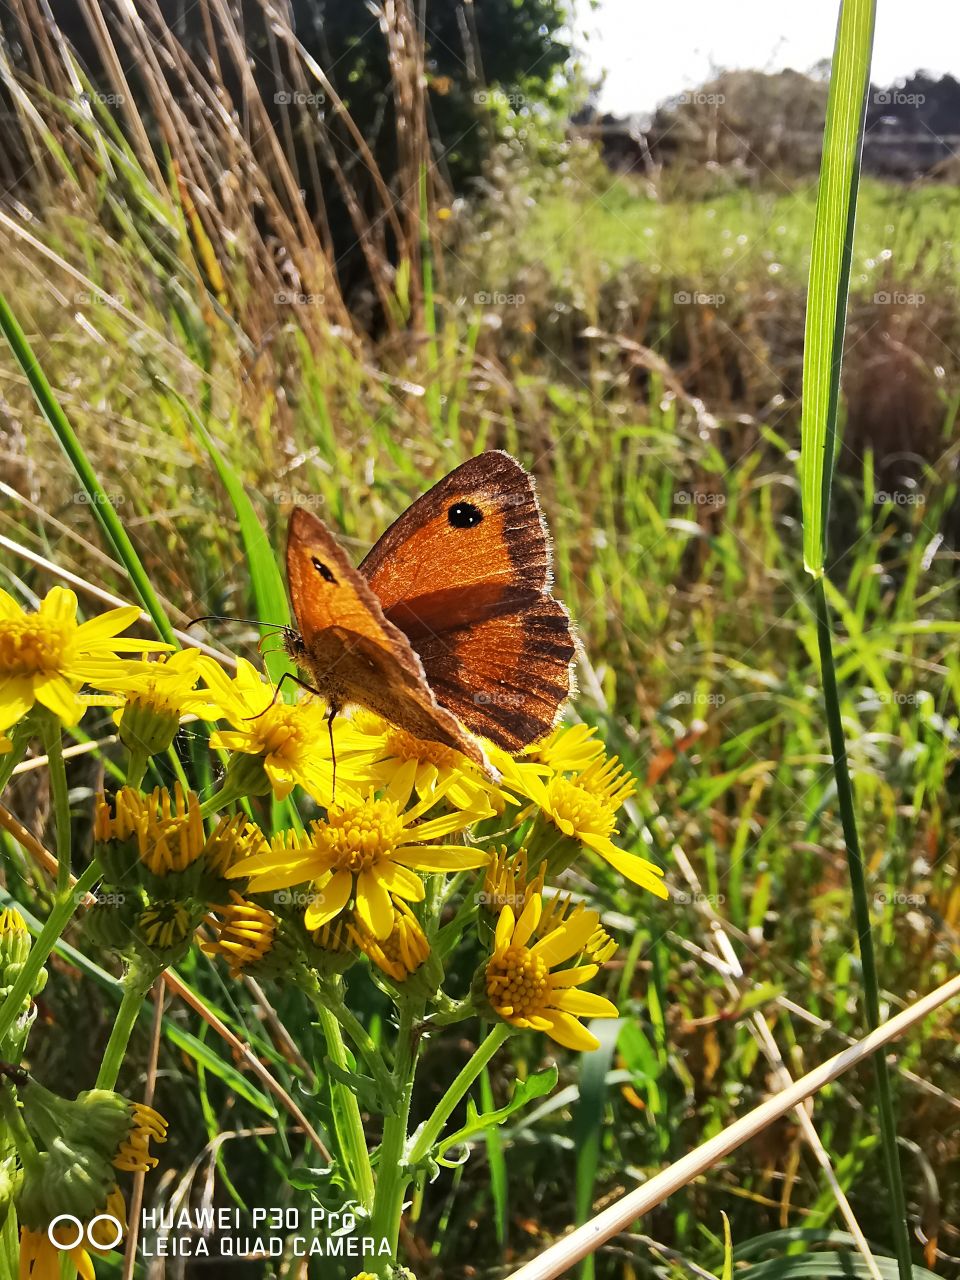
{"points": [[287, 675]]}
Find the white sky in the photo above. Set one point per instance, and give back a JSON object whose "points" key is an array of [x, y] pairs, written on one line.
{"points": [[651, 51]]}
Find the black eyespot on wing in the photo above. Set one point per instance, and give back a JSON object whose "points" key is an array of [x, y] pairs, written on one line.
{"points": [[464, 515], [323, 570]]}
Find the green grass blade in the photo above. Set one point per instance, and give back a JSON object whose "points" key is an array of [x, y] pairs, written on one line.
{"points": [[100, 504], [830, 270], [823, 349], [266, 580]]}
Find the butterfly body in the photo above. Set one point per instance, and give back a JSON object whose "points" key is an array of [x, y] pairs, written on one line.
{"points": [[448, 621]]}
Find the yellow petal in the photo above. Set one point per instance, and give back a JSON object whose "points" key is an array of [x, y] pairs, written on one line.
{"points": [[106, 625], [529, 919], [16, 699], [442, 857], [566, 1030], [59, 603], [57, 695], [505, 927], [567, 940], [374, 907], [631, 866], [586, 1004], [329, 900], [403, 882]]}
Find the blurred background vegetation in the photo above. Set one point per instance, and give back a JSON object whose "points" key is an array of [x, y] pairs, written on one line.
{"points": [[367, 241]]}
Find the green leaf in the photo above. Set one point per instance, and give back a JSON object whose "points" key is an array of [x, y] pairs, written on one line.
{"points": [[535, 1086], [588, 1119], [213, 1063], [830, 270], [828, 1266]]}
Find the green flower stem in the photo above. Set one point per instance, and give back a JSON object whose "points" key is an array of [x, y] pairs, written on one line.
{"points": [[447, 1104], [53, 744], [329, 997], [393, 1171], [64, 907], [861, 911], [137, 982], [137, 762], [18, 1131], [346, 1113]]}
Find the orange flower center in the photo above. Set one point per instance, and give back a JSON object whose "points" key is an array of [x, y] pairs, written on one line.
{"points": [[360, 836], [517, 982], [585, 812], [32, 645]]}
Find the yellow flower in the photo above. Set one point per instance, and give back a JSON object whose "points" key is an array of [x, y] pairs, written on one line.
{"points": [[291, 740], [507, 882], [133, 1154], [47, 656], [365, 850], [590, 818], [560, 909], [568, 749], [164, 925], [157, 694], [245, 933], [407, 764], [233, 839], [403, 951], [168, 830], [525, 988]]}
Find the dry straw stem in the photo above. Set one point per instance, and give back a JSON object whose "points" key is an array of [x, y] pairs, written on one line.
{"points": [[559, 1258]]}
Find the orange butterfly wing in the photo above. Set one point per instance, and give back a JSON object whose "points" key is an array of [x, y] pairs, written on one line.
{"points": [[465, 574], [351, 651]]}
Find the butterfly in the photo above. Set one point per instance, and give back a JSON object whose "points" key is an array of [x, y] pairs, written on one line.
{"points": [[448, 621]]}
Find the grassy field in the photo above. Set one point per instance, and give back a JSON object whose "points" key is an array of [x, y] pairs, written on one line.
{"points": [[639, 351]]}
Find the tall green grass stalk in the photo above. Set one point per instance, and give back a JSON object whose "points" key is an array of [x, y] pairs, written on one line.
{"points": [[831, 254], [103, 508]]}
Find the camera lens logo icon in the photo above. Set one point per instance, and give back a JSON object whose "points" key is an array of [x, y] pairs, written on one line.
{"points": [[86, 1233]]}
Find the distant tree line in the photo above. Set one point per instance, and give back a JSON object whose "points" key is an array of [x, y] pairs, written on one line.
{"points": [[754, 122]]}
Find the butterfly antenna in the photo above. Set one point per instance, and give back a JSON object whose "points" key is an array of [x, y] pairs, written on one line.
{"points": [[222, 617]]}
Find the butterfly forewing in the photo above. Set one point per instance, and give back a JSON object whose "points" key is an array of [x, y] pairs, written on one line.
{"points": [[465, 574], [351, 651]]}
